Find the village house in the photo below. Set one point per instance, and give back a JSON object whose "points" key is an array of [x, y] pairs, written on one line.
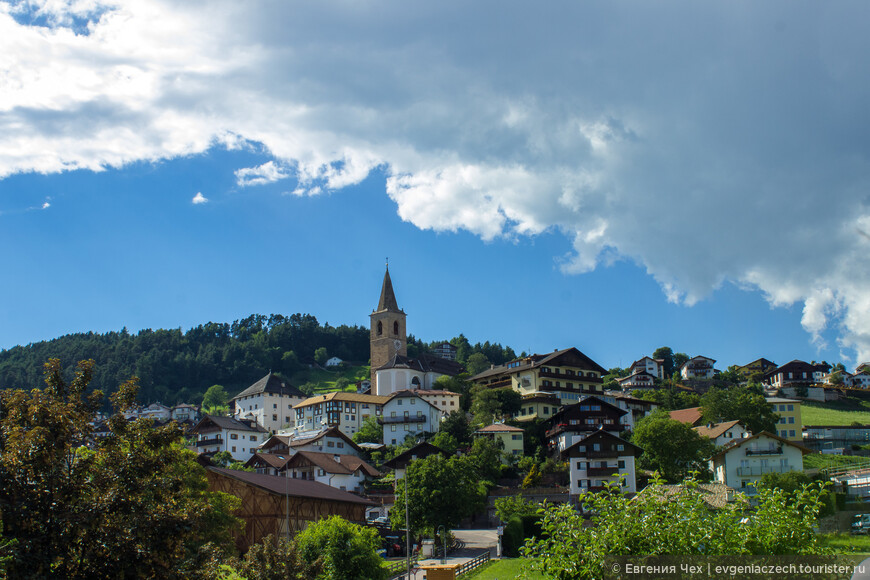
{"points": [[698, 367], [344, 411], [239, 437], [508, 438], [269, 402], [722, 433], [405, 414], [342, 471], [546, 382], [746, 460], [590, 415], [598, 459], [789, 411], [273, 454]]}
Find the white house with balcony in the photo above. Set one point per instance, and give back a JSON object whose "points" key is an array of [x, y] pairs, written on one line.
{"points": [[407, 413], [269, 402], [743, 462], [600, 459], [240, 437], [698, 367]]}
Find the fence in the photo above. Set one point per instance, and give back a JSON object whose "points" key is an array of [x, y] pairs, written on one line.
{"points": [[474, 564]]}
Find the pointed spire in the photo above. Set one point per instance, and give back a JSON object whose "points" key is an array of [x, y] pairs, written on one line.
{"points": [[388, 297]]}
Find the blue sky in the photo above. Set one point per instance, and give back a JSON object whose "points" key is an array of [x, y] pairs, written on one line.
{"points": [[614, 178]]}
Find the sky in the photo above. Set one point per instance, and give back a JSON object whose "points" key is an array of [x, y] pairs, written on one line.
{"points": [[614, 176]]}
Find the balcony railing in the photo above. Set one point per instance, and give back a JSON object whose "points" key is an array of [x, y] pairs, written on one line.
{"points": [[408, 419], [212, 441], [762, 469], [769, 451]]}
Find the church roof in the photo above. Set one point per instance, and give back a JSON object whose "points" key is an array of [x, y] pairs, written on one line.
{"points": [[388, 297], [425, 363], [272, 385]]}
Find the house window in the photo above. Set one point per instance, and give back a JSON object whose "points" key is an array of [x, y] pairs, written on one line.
{"points": [[274, 417], [234, 448], [274, 405], [286, 419], [413, 401], [339, 445], [253, 437], [330, 443], [791, 420], [791, 407], [321, 472], [516, 437], [791, 433], [399, 402], [234, 435], [596, 447], [392, 427], [620, 447]]}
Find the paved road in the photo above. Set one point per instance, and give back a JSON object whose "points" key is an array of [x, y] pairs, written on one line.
{"points": [[474, 543]]}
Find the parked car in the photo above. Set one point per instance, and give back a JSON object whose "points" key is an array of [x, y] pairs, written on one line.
{"points": [[861, 524]]}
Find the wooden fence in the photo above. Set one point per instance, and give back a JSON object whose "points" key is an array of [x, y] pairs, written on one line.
{"points": [[474, 564]]}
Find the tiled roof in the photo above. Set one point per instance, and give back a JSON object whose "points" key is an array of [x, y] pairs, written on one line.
{"points": [[276, 460], [231, 423], [346, 464], [282, 486], [342, 396], [716, 429], [692, 415], [272, 385], [499, 428], [745, 440], [418, 451]]}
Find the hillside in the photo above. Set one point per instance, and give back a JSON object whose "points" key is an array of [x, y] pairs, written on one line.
{"points": [[843, 412]]}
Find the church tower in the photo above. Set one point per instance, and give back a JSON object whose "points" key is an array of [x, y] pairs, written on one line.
{"points": [[388, 331]]}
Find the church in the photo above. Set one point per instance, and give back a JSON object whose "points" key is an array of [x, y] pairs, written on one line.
{"points": [[392, 369]]}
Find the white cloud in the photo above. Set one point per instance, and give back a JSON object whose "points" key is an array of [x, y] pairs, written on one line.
{"points": [[709, 143], [199, 198], [46, 205], [268, 172]]}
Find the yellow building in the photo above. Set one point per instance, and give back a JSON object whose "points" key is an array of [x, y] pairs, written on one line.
{"points": [[510, 438], [789, 411]]}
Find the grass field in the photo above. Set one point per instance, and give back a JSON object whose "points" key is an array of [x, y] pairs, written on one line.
{"points": [[502, 570], [835, 413], [325, 379], [847, 543], [821, 461]]}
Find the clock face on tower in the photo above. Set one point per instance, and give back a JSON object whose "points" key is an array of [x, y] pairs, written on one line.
{"points": [[398, 344]]}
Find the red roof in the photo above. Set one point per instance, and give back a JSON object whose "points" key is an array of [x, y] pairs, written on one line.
{"points": [[692, 416]]}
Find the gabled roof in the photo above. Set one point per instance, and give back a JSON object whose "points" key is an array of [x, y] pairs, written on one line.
{"points": [[419, 451], [229, 423], [538, 360], [275, 460], [273, 385], [740, 442], [716, 429], [342, 396], [692, 415], [409, 394], [387, 300], [346, 464], [306, 437], [634, 376], [425, 363], [571, 410], [712, 360], [284, 486], [499, 428], [600, 434]]}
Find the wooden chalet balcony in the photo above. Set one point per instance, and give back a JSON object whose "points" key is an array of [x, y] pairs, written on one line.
{"points": [[593, 488], [408, 419], [570, 378], [608, 426], [602, 471], [210, 441], [603, 454], [504, 382], [774, 451]]}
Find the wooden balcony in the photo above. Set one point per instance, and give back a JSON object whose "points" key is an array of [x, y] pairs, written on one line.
{"points": [[402, 419], [210, 441]]}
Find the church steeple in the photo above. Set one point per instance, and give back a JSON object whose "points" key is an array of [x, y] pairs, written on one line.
{"points": [[388, 297], [388, 332]]}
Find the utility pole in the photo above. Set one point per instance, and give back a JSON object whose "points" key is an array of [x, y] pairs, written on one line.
{"points": [[407, 529]]}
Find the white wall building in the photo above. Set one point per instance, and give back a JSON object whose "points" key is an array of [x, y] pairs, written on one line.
{"points": [[407, 413], [269, 402], [599, 459], [742, 463], [344, 411], [240, 437]]}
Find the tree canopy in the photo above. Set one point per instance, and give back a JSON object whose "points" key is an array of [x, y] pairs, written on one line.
{"points": [[746, 404], [670, 447], [674, 522], [131, 504], [442, 491], [341, 550]]}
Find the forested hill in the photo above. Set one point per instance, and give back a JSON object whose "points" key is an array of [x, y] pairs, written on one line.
{"points": [[175, 366]]}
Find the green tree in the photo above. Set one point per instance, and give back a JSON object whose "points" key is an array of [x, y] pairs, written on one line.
{"points": [[441, 491], [320, 355], [680, 358], [457, 425], [215, 401], [457, 384], [132, 504], [341, 550], [369, 432], [670, 447], [657, 522], [739, 403], [445, 442], [485, 455], [514, 505], [477, 363], [666, 354]]}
